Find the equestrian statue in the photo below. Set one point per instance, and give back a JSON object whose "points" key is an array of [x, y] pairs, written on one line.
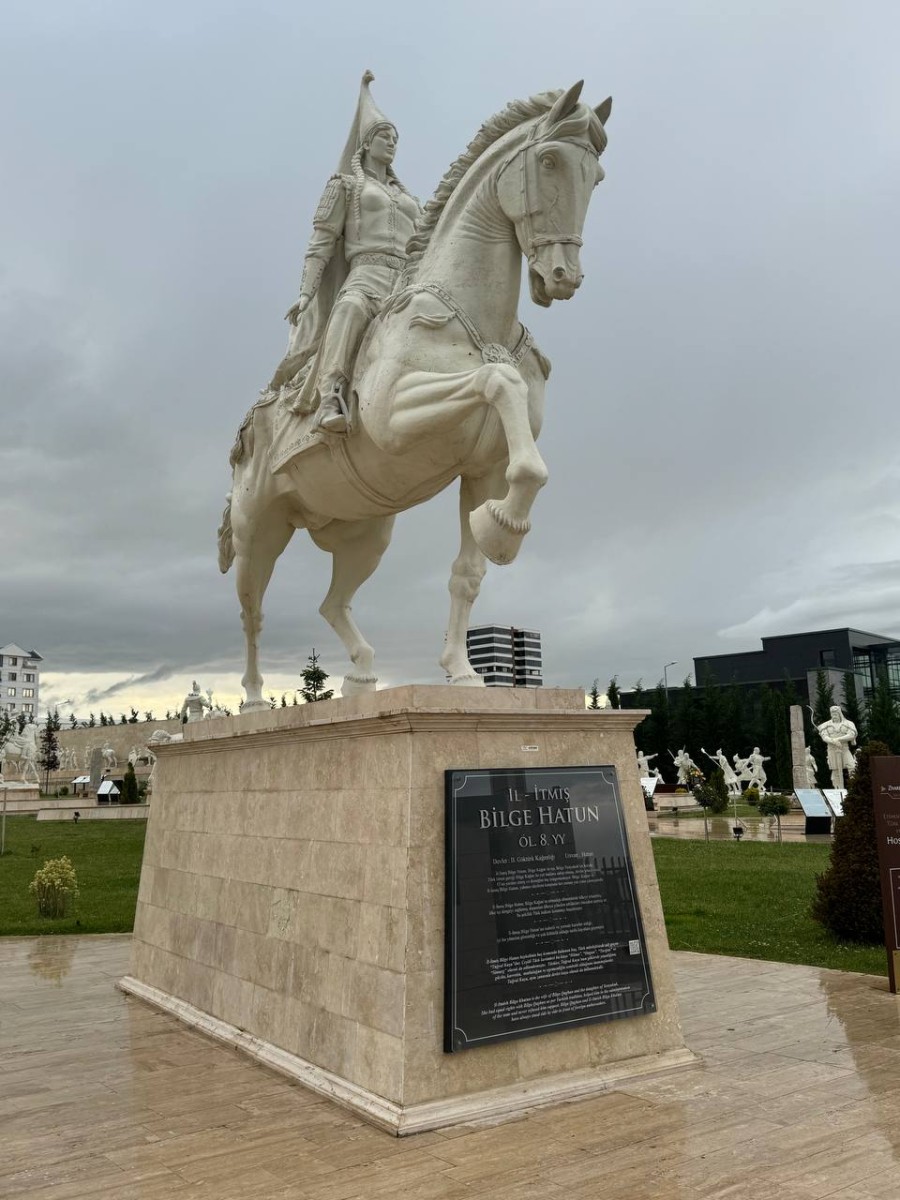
{"points": [[407, 366]]}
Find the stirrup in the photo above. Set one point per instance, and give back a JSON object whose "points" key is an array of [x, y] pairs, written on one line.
{"points": [[333, 415]]}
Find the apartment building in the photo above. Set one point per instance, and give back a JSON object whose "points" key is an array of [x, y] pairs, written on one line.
{"points": [[20, 679], [506, 656]]}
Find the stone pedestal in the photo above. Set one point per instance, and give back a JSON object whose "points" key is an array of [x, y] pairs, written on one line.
{"points": [[292, 898], [799, 774]]}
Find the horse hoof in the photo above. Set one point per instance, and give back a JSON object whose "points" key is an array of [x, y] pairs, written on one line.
{"points": [[497, 536], [476, 681], [355, 685]]}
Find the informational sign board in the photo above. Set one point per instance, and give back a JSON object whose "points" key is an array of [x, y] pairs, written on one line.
{"points": [[815, 810], [543, 928], [886, 800], [835, 798]]}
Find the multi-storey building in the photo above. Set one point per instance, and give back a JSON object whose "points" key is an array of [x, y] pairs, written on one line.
{"points": [[505, 656], [20, 678], [800, 656]]}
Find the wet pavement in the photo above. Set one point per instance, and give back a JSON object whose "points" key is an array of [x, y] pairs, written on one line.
{"points": [[721, 829], [797, 1097]]}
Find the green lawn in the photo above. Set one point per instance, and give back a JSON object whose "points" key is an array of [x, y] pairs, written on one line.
{"points": [[107, 860], [751, 899]]}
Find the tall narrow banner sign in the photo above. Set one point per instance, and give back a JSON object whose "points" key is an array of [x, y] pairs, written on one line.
{"points": [[543, 928], [886, 798]]}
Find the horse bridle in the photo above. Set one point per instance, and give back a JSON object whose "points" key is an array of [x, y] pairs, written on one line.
{"points": [[530, 241]]}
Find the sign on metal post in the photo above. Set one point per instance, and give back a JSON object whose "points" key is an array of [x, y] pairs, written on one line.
{"points": [[886, 798]]}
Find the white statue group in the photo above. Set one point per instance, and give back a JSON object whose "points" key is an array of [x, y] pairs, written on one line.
{"points": [[407, 366], [838, 733], [750, 770]]}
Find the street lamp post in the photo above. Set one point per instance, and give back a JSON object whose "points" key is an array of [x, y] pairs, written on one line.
{"points": [[673, 663]]}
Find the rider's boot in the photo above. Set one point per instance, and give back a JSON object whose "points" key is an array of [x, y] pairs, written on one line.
{"points": [[333, 409]]}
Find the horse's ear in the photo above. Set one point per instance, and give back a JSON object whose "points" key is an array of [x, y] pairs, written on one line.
{"points": [[565, 103], [603, 110]]}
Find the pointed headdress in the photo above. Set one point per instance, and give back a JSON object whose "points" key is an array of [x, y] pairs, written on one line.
{"points": [[368, 116]]}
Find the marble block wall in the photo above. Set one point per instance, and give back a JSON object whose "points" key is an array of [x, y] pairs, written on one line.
{"points": [[293, 881]]}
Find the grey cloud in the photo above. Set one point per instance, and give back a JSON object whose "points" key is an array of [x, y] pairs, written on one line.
{"points": [[723, 383]]}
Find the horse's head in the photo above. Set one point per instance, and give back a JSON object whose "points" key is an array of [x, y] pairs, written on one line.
{"points": [[545, 187]]}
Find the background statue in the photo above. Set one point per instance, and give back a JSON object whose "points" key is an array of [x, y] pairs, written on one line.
{"points": [[685, 765], [742, 768], [194, 704], [811, 766], [731, 779], [644, 765], [756, 770], [358, 248], [838, 733], [447, 384]]}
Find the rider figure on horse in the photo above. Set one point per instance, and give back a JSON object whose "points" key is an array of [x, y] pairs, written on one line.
{"points": [[353, 262]]}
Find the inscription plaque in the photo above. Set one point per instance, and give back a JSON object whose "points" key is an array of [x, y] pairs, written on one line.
{"points": [[543, 928]]}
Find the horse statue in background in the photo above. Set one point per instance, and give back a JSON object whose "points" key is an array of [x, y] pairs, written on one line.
{"points": [[448, 384], [22, 749]]}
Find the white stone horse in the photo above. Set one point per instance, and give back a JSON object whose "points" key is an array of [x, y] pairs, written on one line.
{"points": [[448, 385], [22, 748]]}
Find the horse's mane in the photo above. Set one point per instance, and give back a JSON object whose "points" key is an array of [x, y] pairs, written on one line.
{"points": [[515, 113]]}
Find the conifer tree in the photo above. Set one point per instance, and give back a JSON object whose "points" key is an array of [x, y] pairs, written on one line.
{"points": [[314, 678], [613, 694], [824, 698], [848, 893], [129, 786], [851, 709], [49, 755], [884, 720], [594, 696]]}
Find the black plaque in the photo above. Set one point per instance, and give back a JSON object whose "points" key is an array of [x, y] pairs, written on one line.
{"points": [[543, 928]]}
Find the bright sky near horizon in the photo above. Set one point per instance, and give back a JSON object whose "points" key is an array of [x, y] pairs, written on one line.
{"points": [[722, 422]]}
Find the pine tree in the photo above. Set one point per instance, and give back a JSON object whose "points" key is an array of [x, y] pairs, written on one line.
{"points": [[851, 709], [613, 694], [92, 721], [594, 696], [73, 722], [129, 786], [848, 893], [132, 720], [49, 756], [148, 716], [102, 717], [313, 679], [884, 720], [824, 698], [283, 700]]}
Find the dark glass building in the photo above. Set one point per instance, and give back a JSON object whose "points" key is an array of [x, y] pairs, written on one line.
{"points": [[505, 656], [799, 656]]}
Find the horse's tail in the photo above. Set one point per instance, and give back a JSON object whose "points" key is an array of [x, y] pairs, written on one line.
{"points": [[226, 539]]}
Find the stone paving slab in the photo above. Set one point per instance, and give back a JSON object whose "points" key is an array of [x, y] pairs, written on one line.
{"points": [[103, 1097]]}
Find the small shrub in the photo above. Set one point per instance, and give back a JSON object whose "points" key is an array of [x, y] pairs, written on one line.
{"points": [[54, 885], [64, 791], [713, 794], [773, 804], [751, 796]]}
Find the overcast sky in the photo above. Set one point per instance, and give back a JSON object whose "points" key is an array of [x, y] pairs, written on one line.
{"points": [[722, 419]]}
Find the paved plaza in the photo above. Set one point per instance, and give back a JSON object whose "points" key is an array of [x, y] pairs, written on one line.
{"points": [[798, 1096]]}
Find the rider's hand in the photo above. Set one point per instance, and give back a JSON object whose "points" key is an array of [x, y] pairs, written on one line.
{"points": [[294, 313]]}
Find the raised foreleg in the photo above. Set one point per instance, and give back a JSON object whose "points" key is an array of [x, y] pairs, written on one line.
{"points": [[466, 575], [356, 548], [427, 404]]}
